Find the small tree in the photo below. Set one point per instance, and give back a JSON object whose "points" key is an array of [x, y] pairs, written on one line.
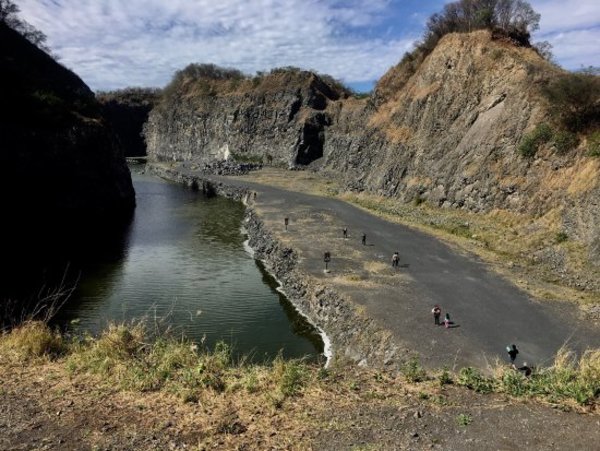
{"points": [[9, 16]]}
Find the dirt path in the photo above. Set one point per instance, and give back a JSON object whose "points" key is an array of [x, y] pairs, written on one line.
{"points": [[488, 311], [42, 407]]}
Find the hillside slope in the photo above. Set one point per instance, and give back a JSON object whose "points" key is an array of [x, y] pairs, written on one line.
{"points": [[59, 158]]}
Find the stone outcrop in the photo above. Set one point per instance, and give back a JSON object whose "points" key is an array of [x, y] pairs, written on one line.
{"points": [[60, 161], [450, 137], [279, 118]]}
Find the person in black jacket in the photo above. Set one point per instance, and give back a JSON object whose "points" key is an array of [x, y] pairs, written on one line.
{"points": [[512, 352]]}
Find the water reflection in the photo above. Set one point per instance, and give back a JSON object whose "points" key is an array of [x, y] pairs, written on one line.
{"points": [[181, 261]]}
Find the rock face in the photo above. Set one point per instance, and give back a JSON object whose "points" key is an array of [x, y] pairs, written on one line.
{"points": [[278, 118], [445, 132], [127, 111], [450, 137], [59, 158]]}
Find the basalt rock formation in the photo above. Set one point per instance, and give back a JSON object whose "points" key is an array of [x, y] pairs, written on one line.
{"points": [[127, 111], [279, 118], [59, 158], [445, 131]]}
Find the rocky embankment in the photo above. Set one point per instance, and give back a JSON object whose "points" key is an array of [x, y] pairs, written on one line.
{"points": [[450, 136], [348, 335]]}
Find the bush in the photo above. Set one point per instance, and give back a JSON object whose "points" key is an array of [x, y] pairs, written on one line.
{"points": [[573, 99], [413, 371], [471, 378], [290, 376], [444, 378], [565, 141], [464, 419], [593, 144], [561, 237], [531, 142]]}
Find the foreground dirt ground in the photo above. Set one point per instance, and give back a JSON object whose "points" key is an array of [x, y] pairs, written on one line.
{"points": [[43, 407]]}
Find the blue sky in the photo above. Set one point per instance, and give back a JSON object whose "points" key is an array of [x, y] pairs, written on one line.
{"points": [[117, 43]]}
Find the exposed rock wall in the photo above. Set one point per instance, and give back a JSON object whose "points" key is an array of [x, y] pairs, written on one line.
{"points": [[127, 111], [450, 137], [275, 119]]}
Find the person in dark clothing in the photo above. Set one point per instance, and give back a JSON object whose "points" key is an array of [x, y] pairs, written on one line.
{"points": [[395, 259], [345, 232], [512, 352], [437, 312], [364, 239], [526, 369]]}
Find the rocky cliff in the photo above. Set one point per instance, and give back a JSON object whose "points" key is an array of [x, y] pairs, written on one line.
{"points": [[445, 130], [450, 136], [127, 111], [59, 158], [278, 118]]}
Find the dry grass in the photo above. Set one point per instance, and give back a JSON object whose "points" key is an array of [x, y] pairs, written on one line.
{"points": [[506, 240], [31, 340], [278, 405], [375, 267]]}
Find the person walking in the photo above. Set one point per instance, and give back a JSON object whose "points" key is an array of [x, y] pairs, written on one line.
{"points": [[447, 320], [395, 259], [512, 353], [364, 239], [345, 232], [437, 312]]}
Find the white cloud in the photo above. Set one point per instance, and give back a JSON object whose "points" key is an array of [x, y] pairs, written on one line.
{"points": [[576, 49], [573, 29], [561, 15], [117, 43], [113, 44]]}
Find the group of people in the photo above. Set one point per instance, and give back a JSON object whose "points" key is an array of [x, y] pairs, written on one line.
{"points": [[363, 240], [511, 350], [512, 354], [437, 314]]}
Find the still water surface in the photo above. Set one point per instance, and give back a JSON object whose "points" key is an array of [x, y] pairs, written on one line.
{"points": [[182, 262]]}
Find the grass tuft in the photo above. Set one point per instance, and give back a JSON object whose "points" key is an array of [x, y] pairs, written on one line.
{"points": [[33, 339], [413, 371], [290, 376]]}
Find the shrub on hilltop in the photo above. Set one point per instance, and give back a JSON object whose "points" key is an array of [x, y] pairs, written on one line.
{"points": [[511, 20]]}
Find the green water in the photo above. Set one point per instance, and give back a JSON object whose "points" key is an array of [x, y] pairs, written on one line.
{"points": [[182, 264]]}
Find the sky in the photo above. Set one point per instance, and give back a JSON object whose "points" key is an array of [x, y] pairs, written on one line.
{"points": [[113, 44]]}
